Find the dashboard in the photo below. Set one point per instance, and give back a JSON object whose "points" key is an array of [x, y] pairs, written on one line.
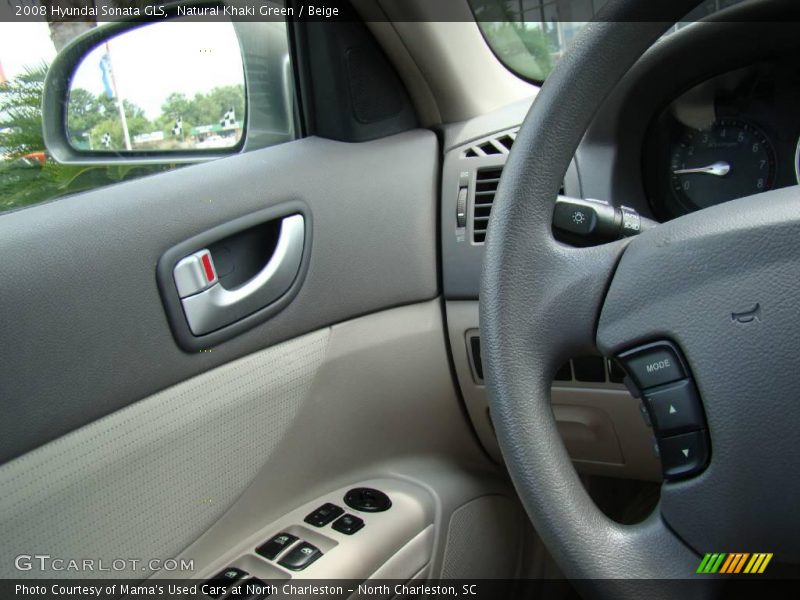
{"points": [[732, 136]]}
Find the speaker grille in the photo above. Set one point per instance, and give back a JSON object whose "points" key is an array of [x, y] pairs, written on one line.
{"points": [[483, 540]]}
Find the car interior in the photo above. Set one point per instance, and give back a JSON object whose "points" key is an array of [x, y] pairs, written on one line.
{"points": [[426, 319]]}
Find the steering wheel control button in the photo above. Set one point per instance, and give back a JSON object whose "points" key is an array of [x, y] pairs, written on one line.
{"points": [[324, 515], [348, 524], [219, 584], [675, 408], [300, 557], [683, 455], [653, 365], [274, 546]]}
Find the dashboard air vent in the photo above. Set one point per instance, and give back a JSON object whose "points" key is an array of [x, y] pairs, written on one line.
{"points": [[486, 181], [586, 369], [489, 147]]}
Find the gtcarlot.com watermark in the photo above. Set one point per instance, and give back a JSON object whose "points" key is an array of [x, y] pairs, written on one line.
{"points": [[47, 563]]}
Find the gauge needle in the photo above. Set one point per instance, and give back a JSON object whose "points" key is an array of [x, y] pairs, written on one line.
{"points": [[719, 169]]}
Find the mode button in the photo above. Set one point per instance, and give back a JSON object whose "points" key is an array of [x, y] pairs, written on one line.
{"points": [[653, 365]]}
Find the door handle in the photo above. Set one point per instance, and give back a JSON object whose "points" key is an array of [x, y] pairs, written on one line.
{"points": [[216, 306]]}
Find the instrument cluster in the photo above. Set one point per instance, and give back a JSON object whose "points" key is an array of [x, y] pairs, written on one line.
{"points": [[732, 136]]}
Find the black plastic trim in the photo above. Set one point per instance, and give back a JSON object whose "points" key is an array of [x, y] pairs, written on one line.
{"points": [[337, 88]]}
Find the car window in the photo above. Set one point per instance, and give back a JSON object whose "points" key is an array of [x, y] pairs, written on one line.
{"points": [[529, 36], [167, 87]]}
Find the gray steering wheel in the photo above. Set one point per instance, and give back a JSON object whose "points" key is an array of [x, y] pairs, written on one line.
{"points": [[543, 302]]}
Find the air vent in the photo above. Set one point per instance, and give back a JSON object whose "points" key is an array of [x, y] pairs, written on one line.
{"points": [[586, 369], [486, 182], [492, 146]]}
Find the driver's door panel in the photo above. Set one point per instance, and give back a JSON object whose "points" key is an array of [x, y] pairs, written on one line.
{"points": [[118, 443], [85, 331]]}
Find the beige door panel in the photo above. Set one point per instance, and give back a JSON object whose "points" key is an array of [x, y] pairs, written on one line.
{"points": [[146, 481], [382, 405], [201, 468]]}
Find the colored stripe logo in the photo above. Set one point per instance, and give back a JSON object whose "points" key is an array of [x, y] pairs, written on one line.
{"points": [[734, 563]]}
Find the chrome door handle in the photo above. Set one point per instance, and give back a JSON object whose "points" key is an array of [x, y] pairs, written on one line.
{"points": [[217, 306]]}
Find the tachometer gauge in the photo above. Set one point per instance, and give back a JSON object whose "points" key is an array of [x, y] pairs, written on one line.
{"points": [[731, 159]]}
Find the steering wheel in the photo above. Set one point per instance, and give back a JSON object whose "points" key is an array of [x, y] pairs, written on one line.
{"points": [[721, 287]]}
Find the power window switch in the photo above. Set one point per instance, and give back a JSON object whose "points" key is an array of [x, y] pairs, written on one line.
{"points": [[348, 524], [300, 557], [324, 515], [683, 455], [275, 545], [222, 581]]}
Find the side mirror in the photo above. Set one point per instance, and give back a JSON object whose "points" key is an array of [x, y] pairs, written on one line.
{"points": [[174, 90]]}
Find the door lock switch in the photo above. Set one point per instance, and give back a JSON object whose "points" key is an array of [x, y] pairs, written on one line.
{"points": [[348, 524], [324, 515]]}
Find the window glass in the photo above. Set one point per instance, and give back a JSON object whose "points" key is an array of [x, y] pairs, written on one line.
{"points": [[164, 87], [529, 36]]}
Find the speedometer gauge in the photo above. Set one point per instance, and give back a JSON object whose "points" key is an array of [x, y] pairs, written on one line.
{"points": [[730, 159]]}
